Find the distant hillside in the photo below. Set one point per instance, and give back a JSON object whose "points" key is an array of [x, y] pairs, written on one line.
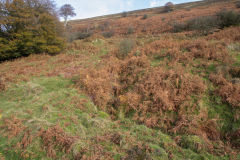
{"points": [[156, 21]]}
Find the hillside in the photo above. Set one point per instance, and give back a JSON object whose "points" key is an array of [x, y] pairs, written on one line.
{"points": [[146, 84]]}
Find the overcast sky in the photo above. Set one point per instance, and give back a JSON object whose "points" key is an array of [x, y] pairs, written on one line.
{"points": [[92, 8]]}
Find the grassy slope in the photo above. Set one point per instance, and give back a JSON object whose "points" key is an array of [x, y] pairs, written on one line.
{"points": [[41, 95], [44, 102]]}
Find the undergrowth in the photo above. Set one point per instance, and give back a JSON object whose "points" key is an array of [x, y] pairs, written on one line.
{"points": [[54, 121]]}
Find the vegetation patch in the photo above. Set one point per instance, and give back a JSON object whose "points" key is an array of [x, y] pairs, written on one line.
{"points": [[153, 94]]}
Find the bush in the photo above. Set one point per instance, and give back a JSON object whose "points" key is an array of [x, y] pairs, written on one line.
{"points": [[179, 27], [125, 47], [203, 24], [206, 24], [130, 30], [84, 34], [108, 34], [228, 18], [34, 28], [145, 16]]}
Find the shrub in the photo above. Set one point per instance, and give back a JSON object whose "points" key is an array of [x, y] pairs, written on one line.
{"points": [[145, 16], [206, 24], [130, 30], [108, 34], [179, 27], [203, 24], [228, 18], [125, 47], [83, 35], [34, 28]]}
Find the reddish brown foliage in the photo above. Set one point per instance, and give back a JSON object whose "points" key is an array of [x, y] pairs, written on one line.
{"points": [[231, 34], [131, 69], [83, 48], [99, 85], [55, 137], [162, 91], [13, 126], [169, 49], [209, 51], [229, 92], [159, 23], [132, 85], [185, 51], [26, 140], [200, 125]]}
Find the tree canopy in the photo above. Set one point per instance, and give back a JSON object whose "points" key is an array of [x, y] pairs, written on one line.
{"points": [[29, 26], [169, 6], [67, 11]]}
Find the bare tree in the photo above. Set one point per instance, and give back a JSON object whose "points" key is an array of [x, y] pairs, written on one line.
{"points": [[66, 11]]}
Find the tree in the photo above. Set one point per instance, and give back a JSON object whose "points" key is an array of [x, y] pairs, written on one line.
{"points": [[67, 11], [29, 26], [124, 14], [168, 7]]}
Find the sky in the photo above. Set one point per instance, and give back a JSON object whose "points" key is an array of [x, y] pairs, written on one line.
{"points": [[93, 8]]}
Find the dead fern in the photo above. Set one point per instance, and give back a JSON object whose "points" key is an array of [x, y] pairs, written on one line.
{"points": [[55, 137]]}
